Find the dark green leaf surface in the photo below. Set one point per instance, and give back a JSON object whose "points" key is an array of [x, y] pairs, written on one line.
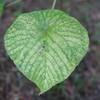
{"points": [[46, 46]]}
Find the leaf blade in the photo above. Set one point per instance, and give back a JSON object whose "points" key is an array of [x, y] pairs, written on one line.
{"points": [[50, 45]]}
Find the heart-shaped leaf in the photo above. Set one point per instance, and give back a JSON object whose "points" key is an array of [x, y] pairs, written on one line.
{"points": [[46, 46]]}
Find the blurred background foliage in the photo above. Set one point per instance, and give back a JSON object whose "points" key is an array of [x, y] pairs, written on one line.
{"points": [[1, 6], [84, 82]]}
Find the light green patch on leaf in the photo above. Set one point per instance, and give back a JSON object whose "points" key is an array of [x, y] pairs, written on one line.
{"points": [[46, 46], [1, 6]]}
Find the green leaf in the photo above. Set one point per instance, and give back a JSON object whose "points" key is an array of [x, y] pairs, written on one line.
{"points": [[1, 6], [46, 46]]}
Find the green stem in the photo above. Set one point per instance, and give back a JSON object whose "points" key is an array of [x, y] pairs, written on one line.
{"points": [[54, 4]]}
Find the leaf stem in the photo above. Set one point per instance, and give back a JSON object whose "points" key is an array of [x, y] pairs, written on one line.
{"points": [[54, 3]]}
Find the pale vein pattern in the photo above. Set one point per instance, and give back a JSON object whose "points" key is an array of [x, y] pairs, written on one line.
{"points": [[46, 46]]}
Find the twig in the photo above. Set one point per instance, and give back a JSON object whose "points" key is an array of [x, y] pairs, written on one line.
{"points": [[14, 2]]}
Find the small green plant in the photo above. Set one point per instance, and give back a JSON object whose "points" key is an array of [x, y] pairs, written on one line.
{"points": [[46, 46]]}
